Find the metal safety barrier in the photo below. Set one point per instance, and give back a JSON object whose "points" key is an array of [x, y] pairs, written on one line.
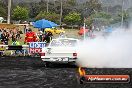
{"points": [[14, 47], [33, 48]]}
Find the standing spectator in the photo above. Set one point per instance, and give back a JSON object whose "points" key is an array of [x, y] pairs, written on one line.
{"points": [[0, 33], [18, 34], [2, 50], [48, 37], [4, 37], [30, 36], [16, 42], [40, 35], [26, 28], [8, 34], [90, 31], [13, 37]]}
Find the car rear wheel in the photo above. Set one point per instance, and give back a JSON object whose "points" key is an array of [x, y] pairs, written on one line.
{"points": [[72, 63], [47, 64]]}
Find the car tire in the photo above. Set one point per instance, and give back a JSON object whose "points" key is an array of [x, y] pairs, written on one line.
{"points": [[47, 64], [73, 64]]}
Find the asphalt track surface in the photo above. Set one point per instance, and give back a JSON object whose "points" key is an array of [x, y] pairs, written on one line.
{"points": [[27, 72]]}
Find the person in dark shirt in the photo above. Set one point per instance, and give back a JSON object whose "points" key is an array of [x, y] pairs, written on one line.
{"points": [[4, 38], [40, 35], [0, 33], [18, 35], [13, 37], [8, 34], [48, 37]]}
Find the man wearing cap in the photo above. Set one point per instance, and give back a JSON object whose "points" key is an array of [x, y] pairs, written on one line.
{"points": [[30, 36]]}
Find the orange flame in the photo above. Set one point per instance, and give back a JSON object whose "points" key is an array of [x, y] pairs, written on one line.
{"points": [[81, 71]]}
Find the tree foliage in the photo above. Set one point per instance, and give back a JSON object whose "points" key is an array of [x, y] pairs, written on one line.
{"points": [[91, 10], [34, 9], [125, 15], [68, 6], [72, 18], [118, 17], [20, 13], [90, 7], [48, 16], [71, 2], [102, 17], [93, 5], [3, 10]]}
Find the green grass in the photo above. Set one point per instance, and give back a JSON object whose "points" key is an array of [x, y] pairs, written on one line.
{"points": [[73, 33]]}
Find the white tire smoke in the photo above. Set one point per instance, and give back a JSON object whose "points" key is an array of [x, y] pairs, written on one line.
{"points": [[115, 51]]}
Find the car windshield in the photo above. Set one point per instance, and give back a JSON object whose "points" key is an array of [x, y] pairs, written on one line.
{"points": [[63, 42]]}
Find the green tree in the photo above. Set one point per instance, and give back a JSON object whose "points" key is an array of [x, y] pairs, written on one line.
{"points": [[71, 2], [48, 16], [89, 21], [125, 15], [100, 17], [118, 17], [90, 7], [20, 13], [3, 10], [68, 6], [72, 18], [34, 9]]}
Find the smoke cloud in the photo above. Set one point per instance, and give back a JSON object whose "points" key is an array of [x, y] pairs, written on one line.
{"points": [[113, 51]]}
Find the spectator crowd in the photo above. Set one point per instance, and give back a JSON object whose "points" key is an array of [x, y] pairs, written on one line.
{"points": [[9, 34], [14, 37]]}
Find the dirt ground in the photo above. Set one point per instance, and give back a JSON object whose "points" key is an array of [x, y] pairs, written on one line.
{"points": [[30, 72]]}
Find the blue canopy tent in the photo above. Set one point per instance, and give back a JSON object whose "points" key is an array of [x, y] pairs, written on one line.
{"points": [[44, 24], [109, 29]]}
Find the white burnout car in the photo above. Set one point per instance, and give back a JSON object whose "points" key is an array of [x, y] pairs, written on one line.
{"points": [[61, 50]]}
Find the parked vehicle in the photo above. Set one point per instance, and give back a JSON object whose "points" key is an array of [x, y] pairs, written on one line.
{"points": [[54, 30]]}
